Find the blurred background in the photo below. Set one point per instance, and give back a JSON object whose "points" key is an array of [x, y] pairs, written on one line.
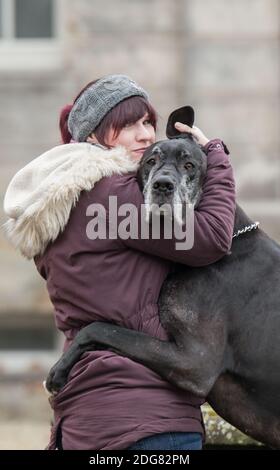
{"points": [[221, 57]]}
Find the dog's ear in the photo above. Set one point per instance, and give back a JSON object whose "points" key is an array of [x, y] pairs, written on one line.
{"points": [[184, 115]]}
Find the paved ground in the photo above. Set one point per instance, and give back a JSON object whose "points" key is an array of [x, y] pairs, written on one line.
{"points": [[25, 415], [23, 435]]}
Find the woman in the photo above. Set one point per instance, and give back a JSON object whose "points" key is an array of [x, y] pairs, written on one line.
{"points": [[109, 401]]}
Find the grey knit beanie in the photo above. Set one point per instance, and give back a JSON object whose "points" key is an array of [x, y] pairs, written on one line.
{"points": [[97, 100]]}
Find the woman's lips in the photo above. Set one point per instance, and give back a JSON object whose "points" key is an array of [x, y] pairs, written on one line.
{"points": [[140, 150]]}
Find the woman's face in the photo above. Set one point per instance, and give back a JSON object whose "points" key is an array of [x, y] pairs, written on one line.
{"points": [[134, 137]]}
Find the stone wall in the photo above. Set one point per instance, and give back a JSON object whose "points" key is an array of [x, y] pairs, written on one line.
{"points": [[222, 57]]}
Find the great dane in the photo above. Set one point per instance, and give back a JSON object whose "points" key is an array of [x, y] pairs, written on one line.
{"points": [[224, 319]]}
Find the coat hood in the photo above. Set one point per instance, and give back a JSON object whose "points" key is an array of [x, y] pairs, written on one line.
{"points": [[41, 195]]}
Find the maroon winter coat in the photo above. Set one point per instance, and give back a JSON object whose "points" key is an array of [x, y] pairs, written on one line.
{"points": [[109, 401]]}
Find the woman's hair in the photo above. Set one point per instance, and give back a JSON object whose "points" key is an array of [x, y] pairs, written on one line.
{"points": [[127, 111]]}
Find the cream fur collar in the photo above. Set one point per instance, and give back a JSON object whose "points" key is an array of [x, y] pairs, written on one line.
{"points": [[40, 197]]}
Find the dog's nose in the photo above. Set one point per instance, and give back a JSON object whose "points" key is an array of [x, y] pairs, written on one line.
{"points": [[163, 184]]}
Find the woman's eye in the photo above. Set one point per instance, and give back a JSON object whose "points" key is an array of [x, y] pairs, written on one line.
{"points": [[147, 122], [189, 166], [151, 162]]}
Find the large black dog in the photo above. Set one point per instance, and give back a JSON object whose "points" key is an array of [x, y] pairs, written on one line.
{"points": [[224, 319]]}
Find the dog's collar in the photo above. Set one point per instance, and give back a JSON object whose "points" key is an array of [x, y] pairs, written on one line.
{"points": [[247, 228]]}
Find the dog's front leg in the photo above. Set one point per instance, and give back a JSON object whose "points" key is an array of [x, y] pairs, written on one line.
{"points": [[178, 364]]}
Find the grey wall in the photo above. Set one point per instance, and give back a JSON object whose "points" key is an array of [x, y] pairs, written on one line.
{"points": [[222, 57]]}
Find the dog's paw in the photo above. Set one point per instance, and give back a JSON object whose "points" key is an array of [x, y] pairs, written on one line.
{"points": [[56, 379]]}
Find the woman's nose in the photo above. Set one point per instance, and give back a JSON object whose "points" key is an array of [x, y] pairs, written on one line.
{"points": [[143, 133]]}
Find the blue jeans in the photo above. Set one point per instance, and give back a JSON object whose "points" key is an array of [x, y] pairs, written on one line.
{"points": [[170, 441]]}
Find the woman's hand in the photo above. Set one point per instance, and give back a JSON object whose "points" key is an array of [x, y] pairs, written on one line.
{"points": [[197, 134]]}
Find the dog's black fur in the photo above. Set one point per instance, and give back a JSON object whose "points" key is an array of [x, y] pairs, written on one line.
{"points": [[225, 323]]}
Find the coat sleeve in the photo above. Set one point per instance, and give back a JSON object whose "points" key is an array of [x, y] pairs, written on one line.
{"points": [[213, 218]]}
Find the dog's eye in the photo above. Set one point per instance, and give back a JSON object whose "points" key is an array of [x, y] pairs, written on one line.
{"points": [[189, 166], [151, 162]]}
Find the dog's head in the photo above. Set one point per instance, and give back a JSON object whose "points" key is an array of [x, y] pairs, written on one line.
{"points": [[172, 171]]}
